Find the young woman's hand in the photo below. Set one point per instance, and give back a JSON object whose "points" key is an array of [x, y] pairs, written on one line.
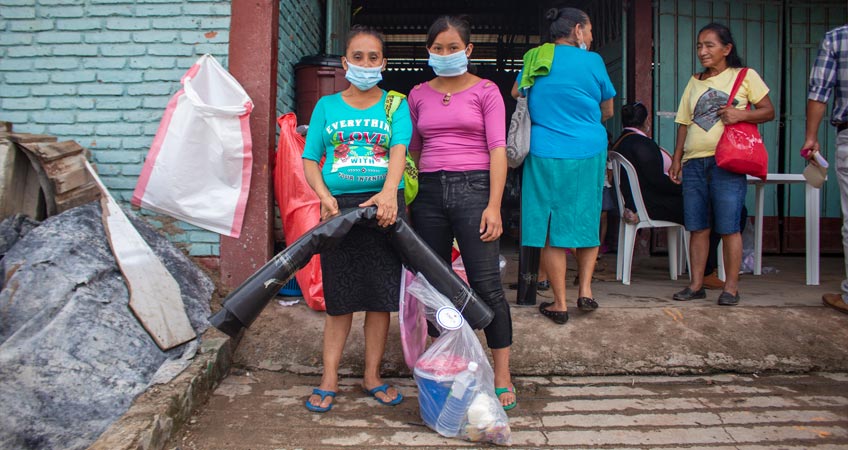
{"points": [[329, 207], [490, 224], [387, 207]]}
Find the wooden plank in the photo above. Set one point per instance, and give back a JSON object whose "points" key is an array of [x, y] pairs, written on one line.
{"points": [[79, 196], [69, 180], [25, 138], [155, 297], [47, 152]]}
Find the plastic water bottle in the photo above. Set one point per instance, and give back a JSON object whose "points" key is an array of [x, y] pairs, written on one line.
{"points": [[462, 393]]}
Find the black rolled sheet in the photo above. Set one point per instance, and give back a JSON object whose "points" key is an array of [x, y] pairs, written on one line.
{"points": [[244, 304]]}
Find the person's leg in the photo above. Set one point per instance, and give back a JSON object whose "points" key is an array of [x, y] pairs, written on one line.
{"points": [[727, 197], [712, 255], [842, 180], [699, 243], [732, 261], [467, 198], [604, 227], [586, 258], [376, 330], [697, 219], [336, 330], [503, 379], [554, 260], [543, 273]]}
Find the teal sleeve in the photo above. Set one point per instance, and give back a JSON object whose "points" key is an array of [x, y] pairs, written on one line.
{"points": [[401, 126], [314, 148]]}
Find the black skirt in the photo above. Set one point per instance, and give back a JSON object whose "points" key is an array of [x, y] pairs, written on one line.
{"points": [[363, 272]]}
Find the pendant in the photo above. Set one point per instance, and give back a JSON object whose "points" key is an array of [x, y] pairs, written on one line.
{"points": [[446, 99]]}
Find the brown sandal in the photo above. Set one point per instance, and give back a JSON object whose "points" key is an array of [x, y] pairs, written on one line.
{"points": [[559, 317]]}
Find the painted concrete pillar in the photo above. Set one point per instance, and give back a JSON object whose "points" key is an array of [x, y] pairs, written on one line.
{"points": [[253, 61], [640, 37]]}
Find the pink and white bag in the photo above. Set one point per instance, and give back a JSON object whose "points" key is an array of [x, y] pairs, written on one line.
{"points": [[199, 166]]}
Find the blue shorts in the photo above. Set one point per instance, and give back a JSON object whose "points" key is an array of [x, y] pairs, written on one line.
{"points": [[712, 196]]}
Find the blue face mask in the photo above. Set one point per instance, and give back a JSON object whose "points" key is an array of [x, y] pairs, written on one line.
{"points": [[363, 78], [451, 65]]}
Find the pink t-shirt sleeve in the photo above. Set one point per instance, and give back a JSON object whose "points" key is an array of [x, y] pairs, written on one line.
{"points": [[416, 142], [494, 113]]}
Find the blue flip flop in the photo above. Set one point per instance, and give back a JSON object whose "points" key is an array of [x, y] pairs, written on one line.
{"points": [[383, 388], [324, 394]]}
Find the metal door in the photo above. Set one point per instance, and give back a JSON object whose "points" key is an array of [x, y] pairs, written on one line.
{"points": [[806, 23]]}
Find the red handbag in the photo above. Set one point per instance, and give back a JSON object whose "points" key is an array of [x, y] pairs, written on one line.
{"points": [[740, 148]]}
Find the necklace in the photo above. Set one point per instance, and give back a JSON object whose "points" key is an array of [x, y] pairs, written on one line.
{"points": [[446, 99]]}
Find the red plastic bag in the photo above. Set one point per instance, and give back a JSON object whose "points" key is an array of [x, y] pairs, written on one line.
{"points": [[740, 148], [300, 208]]}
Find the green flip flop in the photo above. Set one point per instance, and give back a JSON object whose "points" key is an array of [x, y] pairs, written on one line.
{"points": [[501, 391]]}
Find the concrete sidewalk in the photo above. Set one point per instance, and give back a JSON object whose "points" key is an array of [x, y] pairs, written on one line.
{"points": [[639, 336], [264, 410], [779, 326]]}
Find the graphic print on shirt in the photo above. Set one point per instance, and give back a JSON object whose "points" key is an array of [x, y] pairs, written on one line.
{"points": [[360, 149], [707, 107]]}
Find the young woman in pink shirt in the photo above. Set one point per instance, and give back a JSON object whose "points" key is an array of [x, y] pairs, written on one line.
{"points": [[459, 140]]}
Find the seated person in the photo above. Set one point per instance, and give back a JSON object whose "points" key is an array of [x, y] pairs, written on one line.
{"points": [[663, 198]]}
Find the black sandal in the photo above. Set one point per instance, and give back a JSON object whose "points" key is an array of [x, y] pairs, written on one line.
{"points": [[587, 304], [559, 317]]}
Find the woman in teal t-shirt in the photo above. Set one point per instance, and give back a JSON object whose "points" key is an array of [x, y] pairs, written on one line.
{"points": [[365, 153]]}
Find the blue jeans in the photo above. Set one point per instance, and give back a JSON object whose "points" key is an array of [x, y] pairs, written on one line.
{"points": [[712, 196], [449, 205]]}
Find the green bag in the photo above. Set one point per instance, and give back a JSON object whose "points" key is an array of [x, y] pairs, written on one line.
{"points": [[410, 172]]}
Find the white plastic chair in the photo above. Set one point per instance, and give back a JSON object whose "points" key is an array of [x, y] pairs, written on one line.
{"points": [[627, 232]]}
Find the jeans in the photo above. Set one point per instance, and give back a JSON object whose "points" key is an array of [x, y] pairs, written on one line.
{"points": [[842, 179], [449, 205], [712, 197]]}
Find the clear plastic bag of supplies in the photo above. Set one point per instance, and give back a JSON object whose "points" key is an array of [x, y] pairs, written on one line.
{"points": [[456, 384]]}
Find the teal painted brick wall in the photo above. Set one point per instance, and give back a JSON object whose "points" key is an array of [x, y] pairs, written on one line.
{"points": [[100, 72], [301, 34]]}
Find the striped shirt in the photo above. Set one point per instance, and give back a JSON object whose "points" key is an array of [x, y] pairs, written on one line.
{"points": [[831, 71]]}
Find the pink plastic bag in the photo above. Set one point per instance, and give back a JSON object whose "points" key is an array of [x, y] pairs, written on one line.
{"points": [[199, 166], [413, 324], [300, 208]]}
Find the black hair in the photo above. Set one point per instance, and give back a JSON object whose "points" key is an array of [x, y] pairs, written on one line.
{"points": [[461, 24], [723, 33], [633, 114], [563, 21], [356, 30]]}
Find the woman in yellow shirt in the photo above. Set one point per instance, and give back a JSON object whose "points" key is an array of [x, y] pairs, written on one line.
{"points": [[712, 196]]}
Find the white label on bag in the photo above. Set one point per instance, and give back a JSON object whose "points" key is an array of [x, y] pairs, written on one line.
{"points": [[449, 318]]}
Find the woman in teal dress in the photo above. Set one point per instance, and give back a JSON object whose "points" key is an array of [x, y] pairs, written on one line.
{"points": [[563, 176]]}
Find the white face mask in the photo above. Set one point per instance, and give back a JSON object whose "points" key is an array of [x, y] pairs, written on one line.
{"points": [[363, 78], [451, 65]]}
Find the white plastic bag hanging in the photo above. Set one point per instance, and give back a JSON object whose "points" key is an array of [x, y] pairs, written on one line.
{"points": [[199, 165], [452, 356]]}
